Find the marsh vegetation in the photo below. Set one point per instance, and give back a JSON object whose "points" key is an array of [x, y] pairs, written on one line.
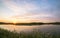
{"points": [[34, 34]]}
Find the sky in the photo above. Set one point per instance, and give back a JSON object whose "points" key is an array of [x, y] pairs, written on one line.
{"points": [[29, 11]]}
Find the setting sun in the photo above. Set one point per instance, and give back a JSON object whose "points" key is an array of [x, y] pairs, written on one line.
{"points": [[14, 21]]}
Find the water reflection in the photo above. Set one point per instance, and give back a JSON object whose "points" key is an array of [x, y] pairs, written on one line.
{"points": [[30, 28]]}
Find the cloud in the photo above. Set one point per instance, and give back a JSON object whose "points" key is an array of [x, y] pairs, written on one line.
{"points": [[24, 8], [27, 8], [30, 9]]}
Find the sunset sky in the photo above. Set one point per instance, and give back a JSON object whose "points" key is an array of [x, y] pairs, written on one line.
{"points": [[29, 11]]}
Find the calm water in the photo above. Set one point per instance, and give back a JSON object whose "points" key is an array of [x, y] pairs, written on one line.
{"points": [[30, 28]]}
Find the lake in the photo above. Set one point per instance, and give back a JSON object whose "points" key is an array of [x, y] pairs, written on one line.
{"points": [[20, 28]]}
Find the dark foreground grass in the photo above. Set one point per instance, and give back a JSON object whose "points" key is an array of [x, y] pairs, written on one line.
{"points": [[33, 34]]}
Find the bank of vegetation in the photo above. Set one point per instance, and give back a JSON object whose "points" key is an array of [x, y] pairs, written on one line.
{"points": [[33, 34], [32, 23]]}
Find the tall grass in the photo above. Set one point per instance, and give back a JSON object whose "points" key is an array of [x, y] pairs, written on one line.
{"points": [[33, 34]]}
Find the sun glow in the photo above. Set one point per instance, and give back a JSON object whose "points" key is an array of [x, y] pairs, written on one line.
{"points": [[14, 21]]}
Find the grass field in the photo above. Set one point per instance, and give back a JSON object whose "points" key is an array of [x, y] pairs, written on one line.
{"points": [[33, 34]]}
